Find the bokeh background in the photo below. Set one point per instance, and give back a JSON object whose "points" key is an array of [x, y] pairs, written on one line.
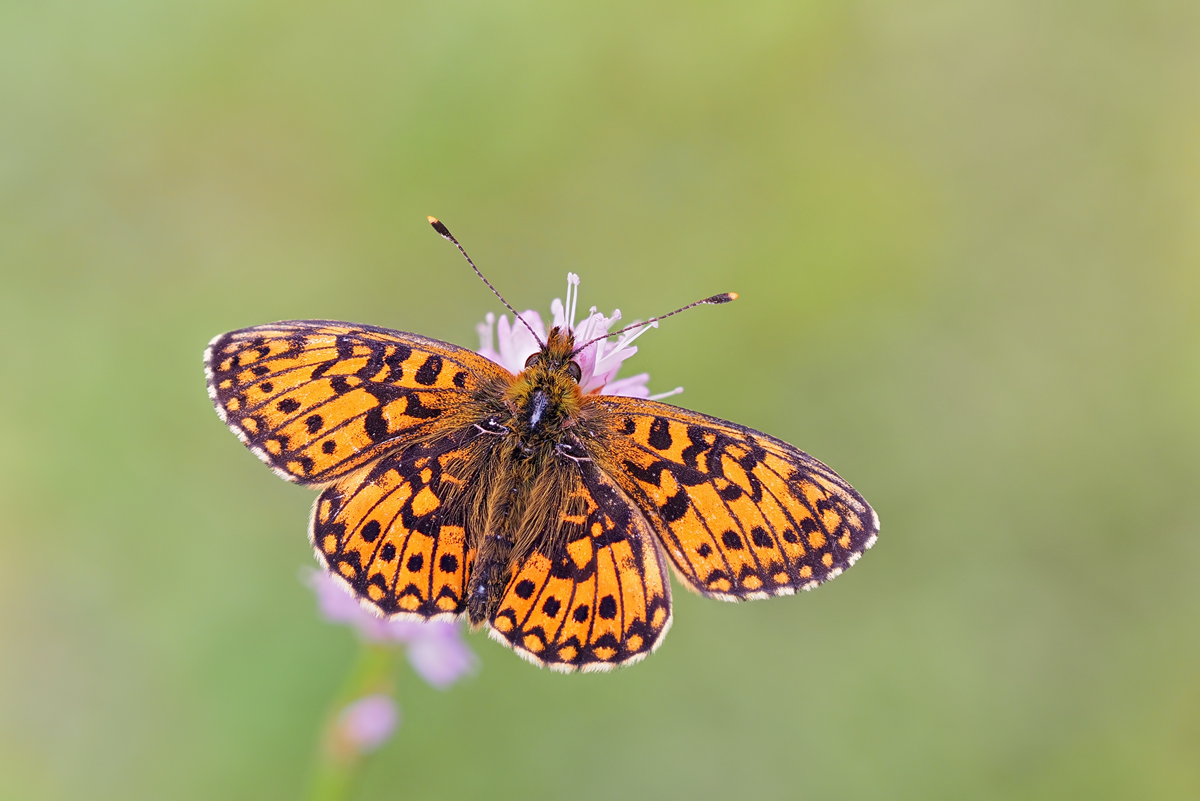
{"points": [[966, 239]]}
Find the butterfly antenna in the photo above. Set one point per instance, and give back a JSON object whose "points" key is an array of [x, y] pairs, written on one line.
{"points": [[449, 237], [725, 297]]}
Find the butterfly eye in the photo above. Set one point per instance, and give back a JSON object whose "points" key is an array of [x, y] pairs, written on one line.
{"points": [[530, 361], [575, 371]]}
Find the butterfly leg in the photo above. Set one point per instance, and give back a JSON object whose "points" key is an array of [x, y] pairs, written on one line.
{"points": [[572, 451], [492, 426]]}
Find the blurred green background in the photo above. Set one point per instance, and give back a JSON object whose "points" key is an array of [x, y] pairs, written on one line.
{"points": [[966, 239]]}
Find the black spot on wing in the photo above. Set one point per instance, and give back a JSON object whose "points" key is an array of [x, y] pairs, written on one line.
{"points": [[416, 409], [660, 434], [675, 507], [696, 436], [376, 426], [730, 493], [428, 374]]}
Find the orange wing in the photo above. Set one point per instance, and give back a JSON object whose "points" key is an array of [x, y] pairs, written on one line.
{"points": [[317, 400], [396, 533], [596, 595], [741, 514]]}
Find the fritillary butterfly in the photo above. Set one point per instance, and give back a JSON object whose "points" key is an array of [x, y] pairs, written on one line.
{"points": [[450, 486]]}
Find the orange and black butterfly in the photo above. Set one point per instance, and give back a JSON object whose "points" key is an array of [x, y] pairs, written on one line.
{"points": [[450, 486]]}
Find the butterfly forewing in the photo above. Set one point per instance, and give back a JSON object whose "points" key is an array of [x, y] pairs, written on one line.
{"points": [[741, 514], [317, 399], [596, 594]]}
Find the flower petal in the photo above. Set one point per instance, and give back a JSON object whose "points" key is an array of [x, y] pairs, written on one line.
{"points": [[436, 649], [632, 387], [440, 656], [516, 343], [367, 723], [599, 362]]}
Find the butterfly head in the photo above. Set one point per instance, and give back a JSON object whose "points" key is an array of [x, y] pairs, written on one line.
{"points": [[546, 393], [557, 355]]}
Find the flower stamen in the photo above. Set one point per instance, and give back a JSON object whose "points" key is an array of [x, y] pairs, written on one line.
{"points": [[662, 395], [572, 298]]}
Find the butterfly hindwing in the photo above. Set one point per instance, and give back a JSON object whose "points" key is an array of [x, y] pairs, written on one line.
{"points": [[396, 532], [741, 514], [594, 596], [318, 399]]}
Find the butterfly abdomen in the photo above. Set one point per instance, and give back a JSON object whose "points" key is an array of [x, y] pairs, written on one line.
{"points": [[502, 492], [525, 495]]}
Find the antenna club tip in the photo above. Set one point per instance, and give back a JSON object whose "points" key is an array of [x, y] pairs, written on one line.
{"points": [[441, 229], [432, 220], [722, 298]]}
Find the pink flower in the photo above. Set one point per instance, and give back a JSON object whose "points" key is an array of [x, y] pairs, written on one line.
{"points": [[512, 343], [365, 724], [435, 650]]}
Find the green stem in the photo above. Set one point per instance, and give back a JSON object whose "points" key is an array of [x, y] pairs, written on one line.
{"points": [[337, 764]]}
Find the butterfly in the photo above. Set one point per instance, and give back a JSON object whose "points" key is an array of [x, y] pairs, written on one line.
{"points": [[450, 486]]}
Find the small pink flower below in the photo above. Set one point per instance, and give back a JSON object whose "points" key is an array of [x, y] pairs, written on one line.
{"points": [[435, 650], [364, 725]]}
